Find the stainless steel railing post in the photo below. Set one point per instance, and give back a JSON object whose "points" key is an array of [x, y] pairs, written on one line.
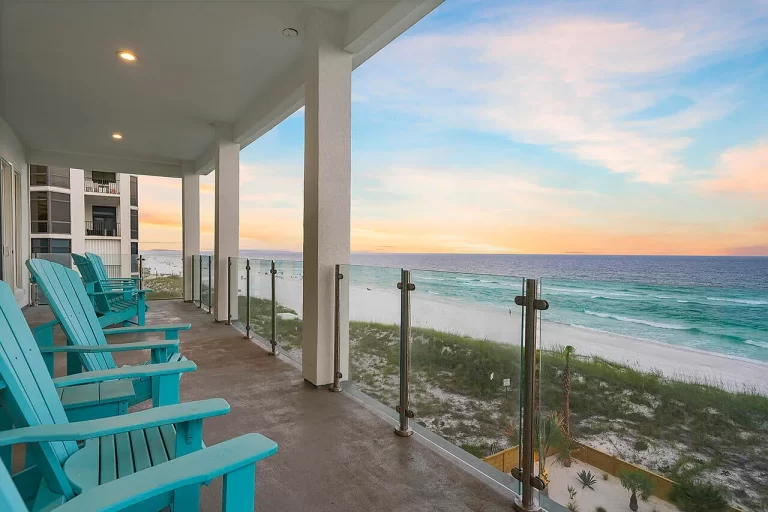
{"points": [[229, 290], [336, 386], [247, 298], [141, 272], [273, 341], [210, 306], [530, 482], [200, 292], [406, 287]]}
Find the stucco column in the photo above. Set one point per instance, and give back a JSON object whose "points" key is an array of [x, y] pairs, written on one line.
{"points": [[190, 227], [327, 191], [226, 242]]}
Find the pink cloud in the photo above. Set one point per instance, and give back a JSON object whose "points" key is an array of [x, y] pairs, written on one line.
{"points": [[742, 171]]}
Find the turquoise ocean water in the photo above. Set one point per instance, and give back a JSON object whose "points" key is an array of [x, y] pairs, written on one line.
{"points": [[716, 304]]}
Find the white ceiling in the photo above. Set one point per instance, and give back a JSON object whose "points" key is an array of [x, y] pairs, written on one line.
{"points": [[64, 91]]}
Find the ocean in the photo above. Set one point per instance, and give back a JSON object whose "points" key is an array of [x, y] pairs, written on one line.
{"points": [[715, 304]]}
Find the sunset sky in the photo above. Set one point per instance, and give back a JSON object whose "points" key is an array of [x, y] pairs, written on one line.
{"points": [[495, 127]]}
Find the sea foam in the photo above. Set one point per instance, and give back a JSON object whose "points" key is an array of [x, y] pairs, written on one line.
{"points": [[650, 323]]}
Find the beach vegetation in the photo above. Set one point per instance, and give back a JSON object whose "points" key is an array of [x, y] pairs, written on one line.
{"points": [[698, 497], [704, 430], [572, 506], [638, 484], [600, 509], [586, 479], [640, 445]]}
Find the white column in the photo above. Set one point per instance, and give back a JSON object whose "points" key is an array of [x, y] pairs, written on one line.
{"points": [[190, 227], [327, 189], [226, 237], [77, 209], [125, 224]]}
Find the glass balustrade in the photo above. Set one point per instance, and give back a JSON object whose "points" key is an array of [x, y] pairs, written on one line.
{"points": [[654, 388], [288, 306]]}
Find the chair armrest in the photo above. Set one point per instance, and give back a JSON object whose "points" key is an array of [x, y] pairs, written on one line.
{"points": [[194, 468], [81, 430], [126, 372], [148, 328], [118, 291], [118, 347]]}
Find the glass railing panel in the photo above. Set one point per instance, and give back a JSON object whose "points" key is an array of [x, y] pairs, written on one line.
{"points": [[288, 295], [36, 294], [261, 299], [211, 284], [466, 362], [238, 310], [374, 331], [653, 385], [162, 272]]}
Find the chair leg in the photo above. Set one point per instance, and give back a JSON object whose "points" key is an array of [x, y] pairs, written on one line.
{"points": [[74, 365], [141, 310], [165, 390], [239, 490], [189, 438]]}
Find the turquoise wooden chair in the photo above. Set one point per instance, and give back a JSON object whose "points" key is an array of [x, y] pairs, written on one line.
{"points": [[115, 300], [89, 348], [235, 460], [114, 448]]}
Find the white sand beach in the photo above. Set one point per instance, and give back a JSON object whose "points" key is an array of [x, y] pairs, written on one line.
{"points": [[504, 325]]}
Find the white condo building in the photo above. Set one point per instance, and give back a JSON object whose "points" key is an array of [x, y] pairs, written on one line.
{"points": [[75, 210]]}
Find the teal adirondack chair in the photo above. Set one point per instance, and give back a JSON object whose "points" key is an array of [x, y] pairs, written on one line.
{"points": [[235, 460], [114, 448], [115, 300], [69, 301]]}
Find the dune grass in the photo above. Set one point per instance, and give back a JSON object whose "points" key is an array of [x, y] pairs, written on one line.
{"points": [[705, 432]]}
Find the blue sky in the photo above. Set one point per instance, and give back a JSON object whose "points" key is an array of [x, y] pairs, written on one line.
{"points": [[497, 126]]}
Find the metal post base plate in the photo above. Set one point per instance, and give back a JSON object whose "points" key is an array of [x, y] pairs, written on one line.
{"points": [[519, 507], [404, 433], [334, 389]]}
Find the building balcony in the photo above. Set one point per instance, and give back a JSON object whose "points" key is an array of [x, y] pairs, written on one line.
{"points": [[102, 228], [100, 186]]}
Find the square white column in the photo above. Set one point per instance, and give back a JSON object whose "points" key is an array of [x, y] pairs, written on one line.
{"points": [[226, 241], [327, 191], [190, 227]]}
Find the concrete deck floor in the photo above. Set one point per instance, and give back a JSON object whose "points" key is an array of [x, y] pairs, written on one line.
{"points": [[334, 454]]}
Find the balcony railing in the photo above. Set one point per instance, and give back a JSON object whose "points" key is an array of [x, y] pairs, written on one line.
{"points": [[484, 363], [102, 228], [102, 186]]}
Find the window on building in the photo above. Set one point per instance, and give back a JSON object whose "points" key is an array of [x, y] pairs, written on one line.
{"points": [[134, 191], [60, 214], [134, 257], [103, 176], [38, 211], [49, 213], [134, 224], [42, 175], [38, 175], [104, 221], [51, 246]]}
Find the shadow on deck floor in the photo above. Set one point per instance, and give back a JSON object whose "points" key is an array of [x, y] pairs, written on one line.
{"points": [[334, 454]]}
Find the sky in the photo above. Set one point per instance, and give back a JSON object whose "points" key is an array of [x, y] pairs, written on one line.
{"points": [[520, 127]]}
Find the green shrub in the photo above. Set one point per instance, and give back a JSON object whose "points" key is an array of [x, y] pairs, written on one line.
{"points": [[586, 479], [698, 497], [600, 509], [641, 445]]}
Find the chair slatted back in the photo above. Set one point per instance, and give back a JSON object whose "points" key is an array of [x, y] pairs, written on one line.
{"points": [[91, 277], [30, 395], [69, 302], [98, 266]]}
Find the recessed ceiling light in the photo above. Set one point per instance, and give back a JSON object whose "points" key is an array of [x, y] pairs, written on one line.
{"points": [[117, 136], [290, 32], [128, 56]]}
